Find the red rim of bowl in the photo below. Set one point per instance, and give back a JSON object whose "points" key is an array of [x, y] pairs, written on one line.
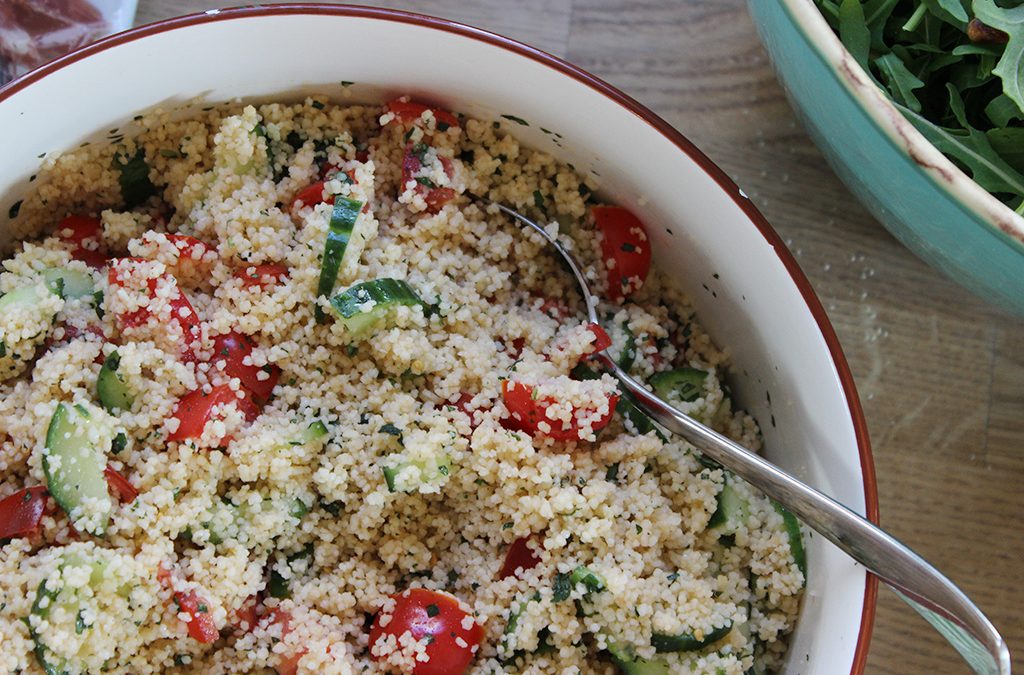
{"points": [[627, 102]]}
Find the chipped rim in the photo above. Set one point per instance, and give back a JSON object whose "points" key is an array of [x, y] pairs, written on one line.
{"points": [[946, 176], [671, 135]]}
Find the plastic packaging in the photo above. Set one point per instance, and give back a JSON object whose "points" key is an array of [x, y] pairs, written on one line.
{"points": [[33, 32]]}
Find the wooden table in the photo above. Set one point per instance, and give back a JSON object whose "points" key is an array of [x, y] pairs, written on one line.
{"points": [[940, 373]]}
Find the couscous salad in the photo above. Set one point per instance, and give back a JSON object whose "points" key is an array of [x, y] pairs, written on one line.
{"points": [[277, 395]]}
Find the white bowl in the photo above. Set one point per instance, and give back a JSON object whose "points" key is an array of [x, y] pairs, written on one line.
{"points": [[789, 369]]}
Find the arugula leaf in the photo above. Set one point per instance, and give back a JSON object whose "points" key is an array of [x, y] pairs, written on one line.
{"points": [[973, 150], [853, 31], [1002, 110], [900, 82], [1009, 143], [1011, 66]]}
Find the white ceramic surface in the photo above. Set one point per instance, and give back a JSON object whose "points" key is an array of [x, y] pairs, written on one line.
{"points": [[789, 371]]}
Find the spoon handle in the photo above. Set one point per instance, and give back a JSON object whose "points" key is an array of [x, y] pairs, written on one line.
{"points": [[934, 596]]}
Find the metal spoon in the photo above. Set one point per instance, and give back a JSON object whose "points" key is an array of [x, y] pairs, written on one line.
{"points": [[919, 584]]}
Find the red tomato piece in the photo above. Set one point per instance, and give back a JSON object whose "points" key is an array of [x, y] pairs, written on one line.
{"points": [[189, 247], [85, 236], [436, 618], [22, 511], [601, 339], [528, 412], [231, 350], [263, 276], [126, 272], [119, 485], [462, 405], [435, 197], [287, 664], [248, 614], [201, 626], [556, 309], [196, 408], [410, 111], [625, 248], [311, 195], [519, 556]]}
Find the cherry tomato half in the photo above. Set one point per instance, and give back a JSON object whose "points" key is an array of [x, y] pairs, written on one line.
{"points": [[528, 412], [410, 111], [130, 273], [85, 236], [311, 195], [601, 339], [229, 353], [22, 511], [201, 626], [436, 618], [196, 408], [435, 197], [625, 248], [519, 556], [287, 663], [119, 485]]}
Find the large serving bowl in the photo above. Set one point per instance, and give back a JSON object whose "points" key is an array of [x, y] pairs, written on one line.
{"points": [[789, 370], [928, 203]]}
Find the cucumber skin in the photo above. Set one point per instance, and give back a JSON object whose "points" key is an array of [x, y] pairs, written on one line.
{"points": [[687, 382], [796, 541], [686, 642], [41, 650], [111, 388], [56, 480], [631, 665]]}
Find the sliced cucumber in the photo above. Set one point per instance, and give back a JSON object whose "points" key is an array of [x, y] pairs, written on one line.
{"points": [[594, 582], [69, 283], [733, 508], [684, 384], [686, 642], [509, 638], [314, 432], [74, 460], [111, 387], [795, 536], [24, 297], [343, 219], [364, 305], [68, 600], [408, 476], [630, 664]]}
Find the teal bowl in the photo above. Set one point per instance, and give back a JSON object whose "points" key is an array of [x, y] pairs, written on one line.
{"points": [[923, 199]]}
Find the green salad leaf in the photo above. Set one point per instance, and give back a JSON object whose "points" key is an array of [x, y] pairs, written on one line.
{"points": [[955, 69]]}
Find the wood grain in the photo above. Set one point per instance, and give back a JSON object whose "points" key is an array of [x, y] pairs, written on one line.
{"points": [[940, 373]]}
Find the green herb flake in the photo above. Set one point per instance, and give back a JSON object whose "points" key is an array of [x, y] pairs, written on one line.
{"points": [[433, 610], [136, 187], [15, 209], [562, 587]]}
